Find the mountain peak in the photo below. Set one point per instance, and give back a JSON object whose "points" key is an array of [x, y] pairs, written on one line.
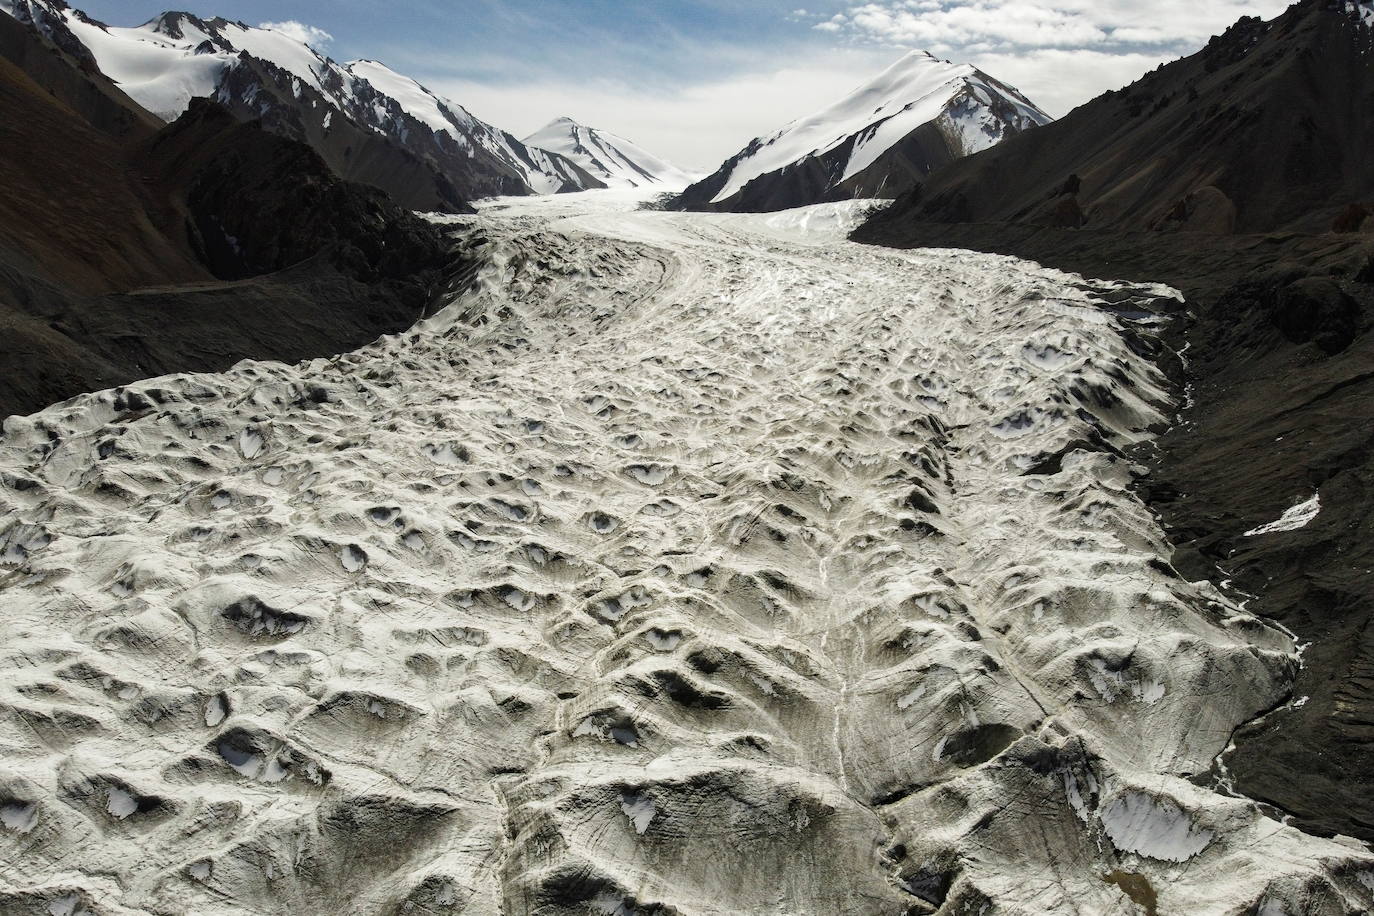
{"points": [[172, 23], [872, 142], [613, 160]]}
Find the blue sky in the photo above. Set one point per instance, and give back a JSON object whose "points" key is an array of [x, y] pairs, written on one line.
{"points": [[694, 80]]}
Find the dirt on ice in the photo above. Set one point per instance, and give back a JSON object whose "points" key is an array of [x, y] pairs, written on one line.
{"points": [[687, 564]]}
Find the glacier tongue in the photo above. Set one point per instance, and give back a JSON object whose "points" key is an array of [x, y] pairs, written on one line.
{"points": [[693, 564]]}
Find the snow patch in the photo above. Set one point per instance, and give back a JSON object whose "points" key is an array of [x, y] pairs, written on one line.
{"points": [[1153, 827], [1295, 517], [639, 809]]}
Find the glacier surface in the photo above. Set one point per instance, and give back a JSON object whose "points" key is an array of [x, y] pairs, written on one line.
{"points": [[686, 564]]}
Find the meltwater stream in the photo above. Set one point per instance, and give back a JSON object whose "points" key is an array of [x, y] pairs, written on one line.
{"points": [[688, 564]]}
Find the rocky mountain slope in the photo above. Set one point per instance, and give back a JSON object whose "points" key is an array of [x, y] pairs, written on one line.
{"points": [[878, 141], [117, 237], [1266, 128], [614, 161], [369, 123]]}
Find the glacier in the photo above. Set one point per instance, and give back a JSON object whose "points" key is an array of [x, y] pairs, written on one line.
{"points": [[683, 564]]}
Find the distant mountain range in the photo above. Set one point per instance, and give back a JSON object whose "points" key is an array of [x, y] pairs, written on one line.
{"points": [[368, 122], [130, 248], [879, 141]]}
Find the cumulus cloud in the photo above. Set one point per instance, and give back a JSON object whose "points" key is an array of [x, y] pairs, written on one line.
{"points": [[941, 25], [308, 34], [1059, 52]]}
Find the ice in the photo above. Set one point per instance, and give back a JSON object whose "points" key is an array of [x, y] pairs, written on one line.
{"points": [[66, 905], [906, 701], [663, 641], [608, 904], [639, 809], [818, 612], [651, 475], [120, 803], [251, 442], [244, 761], [20, 542], [216, 710], [1296, 516], [19, 816], [353, 558], [1140, 823]]}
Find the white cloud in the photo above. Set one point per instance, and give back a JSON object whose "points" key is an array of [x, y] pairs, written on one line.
{"points": [[309, 34], [1059, 80], [942, 25]]}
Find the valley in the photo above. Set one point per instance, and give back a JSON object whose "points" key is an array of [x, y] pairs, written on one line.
{"points": [[680, 550]]}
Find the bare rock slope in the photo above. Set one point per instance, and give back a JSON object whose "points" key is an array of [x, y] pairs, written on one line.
{"points": [[1266, 128]]}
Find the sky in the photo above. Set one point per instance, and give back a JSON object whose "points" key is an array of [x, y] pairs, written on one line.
{"points": [[695, 80]]}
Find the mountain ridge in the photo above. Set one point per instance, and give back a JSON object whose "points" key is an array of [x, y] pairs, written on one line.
{"points": [[129, 248], [259, 73], [878, 141], [1240, 136]]}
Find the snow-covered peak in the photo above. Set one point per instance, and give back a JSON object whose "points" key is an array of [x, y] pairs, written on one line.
{"points": [[916, 90], [437, 112], [176, 56], [613, 160]]}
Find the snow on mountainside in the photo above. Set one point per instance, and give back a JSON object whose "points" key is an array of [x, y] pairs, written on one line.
{"points": [[918, 114], [614, 160], [545, 172], [176, 57]]}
